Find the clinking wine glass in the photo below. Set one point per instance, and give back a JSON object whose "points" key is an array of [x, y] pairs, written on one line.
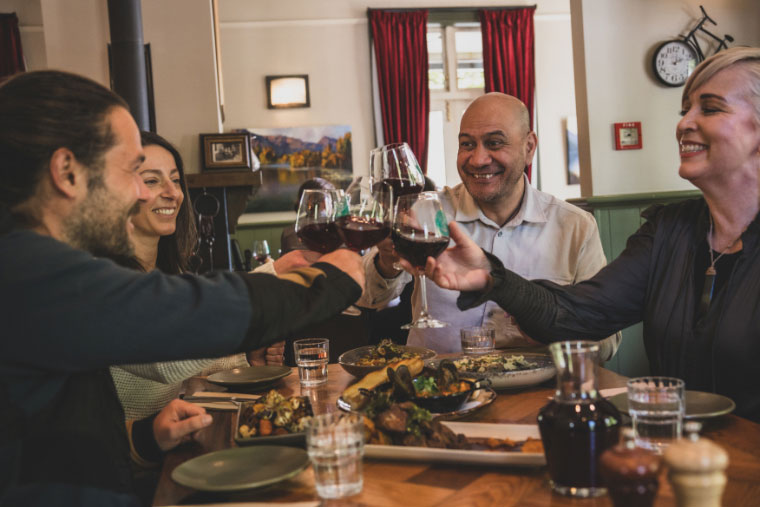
{"points": [[315, 223], [396, 166], [420, 230], [260, 250], [365, 218]]}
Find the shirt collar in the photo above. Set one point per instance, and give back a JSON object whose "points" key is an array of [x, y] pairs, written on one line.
{"points": [[530, 209]]}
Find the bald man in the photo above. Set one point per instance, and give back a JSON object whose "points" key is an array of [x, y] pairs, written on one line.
{"points": [[531, 232]]}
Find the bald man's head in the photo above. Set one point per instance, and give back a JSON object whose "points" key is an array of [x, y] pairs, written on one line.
{"points": [[503, 104], [495, 146]]}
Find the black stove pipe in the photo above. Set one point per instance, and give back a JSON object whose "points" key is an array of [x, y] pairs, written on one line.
{"points": [[128, 74]]}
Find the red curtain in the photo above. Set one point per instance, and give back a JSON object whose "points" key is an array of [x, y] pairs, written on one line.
{"points": [[400, 40], [11, 56], [508, 54]]}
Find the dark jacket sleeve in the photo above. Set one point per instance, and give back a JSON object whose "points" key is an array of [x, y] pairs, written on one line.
{"points": [[284, 304], [593, 309]]}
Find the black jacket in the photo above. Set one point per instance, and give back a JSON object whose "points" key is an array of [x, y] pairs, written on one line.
{"points": [[657, 280]]}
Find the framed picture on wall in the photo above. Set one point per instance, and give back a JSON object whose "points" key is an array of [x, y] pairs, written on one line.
{"points": [[226, 151]]}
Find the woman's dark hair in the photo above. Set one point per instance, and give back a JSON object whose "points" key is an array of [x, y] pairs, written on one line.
{"points": [[175, 250], [41, 112], [312, 184]]}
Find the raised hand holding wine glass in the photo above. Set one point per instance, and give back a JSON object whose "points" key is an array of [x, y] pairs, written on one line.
{"points": [[420, 230], [315, 222], [365, 219]]}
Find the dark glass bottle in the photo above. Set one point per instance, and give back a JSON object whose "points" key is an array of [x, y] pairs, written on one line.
{"points": [[578, 425]]}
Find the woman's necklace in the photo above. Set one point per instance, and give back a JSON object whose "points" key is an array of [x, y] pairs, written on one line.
{"points": [[709, 287]]}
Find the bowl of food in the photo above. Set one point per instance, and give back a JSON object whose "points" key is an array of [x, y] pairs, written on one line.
{"points": [[273, 419], [505, 370], [363, 360]]}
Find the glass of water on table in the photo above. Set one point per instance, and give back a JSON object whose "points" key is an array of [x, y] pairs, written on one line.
{"points": [[312, 355], [656, 406], [335, 443]]}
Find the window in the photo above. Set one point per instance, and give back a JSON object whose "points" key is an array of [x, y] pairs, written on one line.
{"points": [[455, 78]]}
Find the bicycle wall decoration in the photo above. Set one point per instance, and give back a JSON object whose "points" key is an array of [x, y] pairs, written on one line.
{"points": [[674, 60]]}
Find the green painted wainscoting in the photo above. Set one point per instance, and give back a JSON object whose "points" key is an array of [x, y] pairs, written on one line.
{"points": [[270, 231], [619, 216]]}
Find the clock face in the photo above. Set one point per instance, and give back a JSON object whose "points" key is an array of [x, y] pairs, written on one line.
{"points": [[673, 62]]}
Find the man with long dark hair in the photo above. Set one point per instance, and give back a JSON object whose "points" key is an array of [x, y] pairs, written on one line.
{"points": [[69, 152]]}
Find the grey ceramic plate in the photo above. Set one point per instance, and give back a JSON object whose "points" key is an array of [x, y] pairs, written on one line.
{"points": [[699, 405], [543, 371], [478, 399], [241, 468], [255, 376], [349, 359]]}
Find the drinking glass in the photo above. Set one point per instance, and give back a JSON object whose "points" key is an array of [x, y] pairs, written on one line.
{"points": [[315, 222], [260, 250], [478, 340], [396, 166], [420, 230], [365, 218], [312, 355], [656, 406], [335, 443]]}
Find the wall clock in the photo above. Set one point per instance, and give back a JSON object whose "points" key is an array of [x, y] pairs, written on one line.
{"points": [[673, 61]]}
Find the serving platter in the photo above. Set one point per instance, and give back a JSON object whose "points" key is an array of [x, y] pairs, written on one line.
{"points": [[348, 360], [477, 400], [459, 456], [543, 370], [254, 377], [699, 405], [241, 468]]}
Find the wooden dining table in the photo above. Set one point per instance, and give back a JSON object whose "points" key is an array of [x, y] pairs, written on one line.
{"points": [[389, 483]]}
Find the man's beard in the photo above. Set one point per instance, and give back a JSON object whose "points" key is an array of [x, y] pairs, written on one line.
{"points": [[97, 226]]}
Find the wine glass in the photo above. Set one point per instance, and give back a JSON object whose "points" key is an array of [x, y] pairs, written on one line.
{"points": [[396, 166], [420, 230], [315, 222], [260, 250], [365, 219]]}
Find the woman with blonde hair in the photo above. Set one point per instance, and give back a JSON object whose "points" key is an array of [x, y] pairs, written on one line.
{"points": [[691, 273]]}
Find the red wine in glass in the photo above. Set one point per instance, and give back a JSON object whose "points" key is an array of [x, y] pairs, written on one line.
{"points": [[262, 258], [415, 247], [320, 237], [401, 186], [360, 233]]}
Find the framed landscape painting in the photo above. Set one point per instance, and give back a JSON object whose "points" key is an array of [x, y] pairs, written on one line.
{"points": [[289, 156]]}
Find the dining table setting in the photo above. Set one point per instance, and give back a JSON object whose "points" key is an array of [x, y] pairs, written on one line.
{"points": [[495, 437]]}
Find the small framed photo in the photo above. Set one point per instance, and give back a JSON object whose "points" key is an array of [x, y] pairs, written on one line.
{"points": [[226, 151], [628, 135]]}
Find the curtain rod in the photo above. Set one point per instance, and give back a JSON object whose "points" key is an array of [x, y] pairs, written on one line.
{"points": [[453, 9]]}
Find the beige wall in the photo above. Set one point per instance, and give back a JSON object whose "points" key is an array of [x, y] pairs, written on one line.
{"points": [[329, 41], [619, 37]]}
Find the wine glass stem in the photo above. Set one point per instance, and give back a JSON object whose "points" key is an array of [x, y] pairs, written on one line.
{"points": [[423, 293]]}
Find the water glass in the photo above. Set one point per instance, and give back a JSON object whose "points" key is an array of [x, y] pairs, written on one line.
{"points": [[335, 443], [656, 406], [478, 340], [312, 355]]}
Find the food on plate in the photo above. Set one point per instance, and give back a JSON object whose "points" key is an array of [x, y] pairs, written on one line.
{"points": [[274, 414], [494, 363], [354, 396], [388, 423], [386, 352]]}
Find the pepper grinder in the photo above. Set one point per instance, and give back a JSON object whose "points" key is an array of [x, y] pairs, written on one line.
{"points": [[697, 469], [630, 472]]}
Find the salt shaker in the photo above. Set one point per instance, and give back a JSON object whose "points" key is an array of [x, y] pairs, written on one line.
{"points": [[630, 472], [697, 469]]}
